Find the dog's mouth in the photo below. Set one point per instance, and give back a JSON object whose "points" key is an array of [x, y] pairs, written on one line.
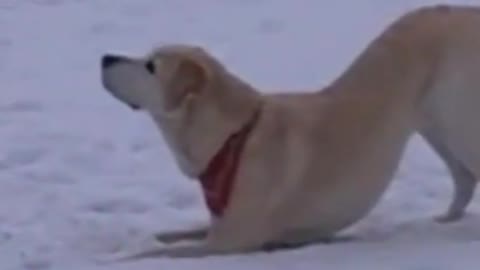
{"points": [[134, 107], [131, 105]]}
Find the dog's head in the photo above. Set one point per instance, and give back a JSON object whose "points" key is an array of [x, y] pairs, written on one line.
{"points": [[160, 82], [194, 100]]}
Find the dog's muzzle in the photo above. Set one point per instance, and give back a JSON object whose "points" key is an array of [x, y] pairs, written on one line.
{"points": [[108, 61]]}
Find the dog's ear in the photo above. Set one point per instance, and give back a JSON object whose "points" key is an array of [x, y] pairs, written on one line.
{"points": [[191, 75], [189, 78]]}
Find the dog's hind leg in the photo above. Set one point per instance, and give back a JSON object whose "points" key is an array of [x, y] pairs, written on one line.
{"points": [[464, 180]]}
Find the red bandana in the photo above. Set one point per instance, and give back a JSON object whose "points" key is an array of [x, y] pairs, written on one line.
{"points": [[217, 180]]}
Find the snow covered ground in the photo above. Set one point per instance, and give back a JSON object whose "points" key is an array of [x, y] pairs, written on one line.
{"points": [[82, 176]]}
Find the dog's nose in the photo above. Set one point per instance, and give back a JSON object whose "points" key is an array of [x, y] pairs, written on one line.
{"points": [[109, 60]]}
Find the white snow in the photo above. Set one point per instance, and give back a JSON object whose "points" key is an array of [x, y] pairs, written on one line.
{"points": [[82, 176]]}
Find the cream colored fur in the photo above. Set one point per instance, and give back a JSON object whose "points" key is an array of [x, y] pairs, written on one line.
{"points": [[316, 162]]}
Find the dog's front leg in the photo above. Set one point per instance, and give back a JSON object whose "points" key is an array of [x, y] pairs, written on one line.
{"points": [[172, 237], [191, 250]]}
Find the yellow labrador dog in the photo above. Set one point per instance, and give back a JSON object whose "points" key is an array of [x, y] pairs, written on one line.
{"points": [[289, 169]]}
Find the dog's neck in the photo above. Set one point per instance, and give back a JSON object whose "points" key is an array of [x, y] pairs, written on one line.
{"points": [[196, 131], [217, 180]]}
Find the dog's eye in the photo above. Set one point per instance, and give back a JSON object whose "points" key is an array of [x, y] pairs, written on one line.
{"points": [[150, 66]]}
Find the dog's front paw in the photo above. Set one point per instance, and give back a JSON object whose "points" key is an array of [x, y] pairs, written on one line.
{"points": [[172, 237], [450, 217]]}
